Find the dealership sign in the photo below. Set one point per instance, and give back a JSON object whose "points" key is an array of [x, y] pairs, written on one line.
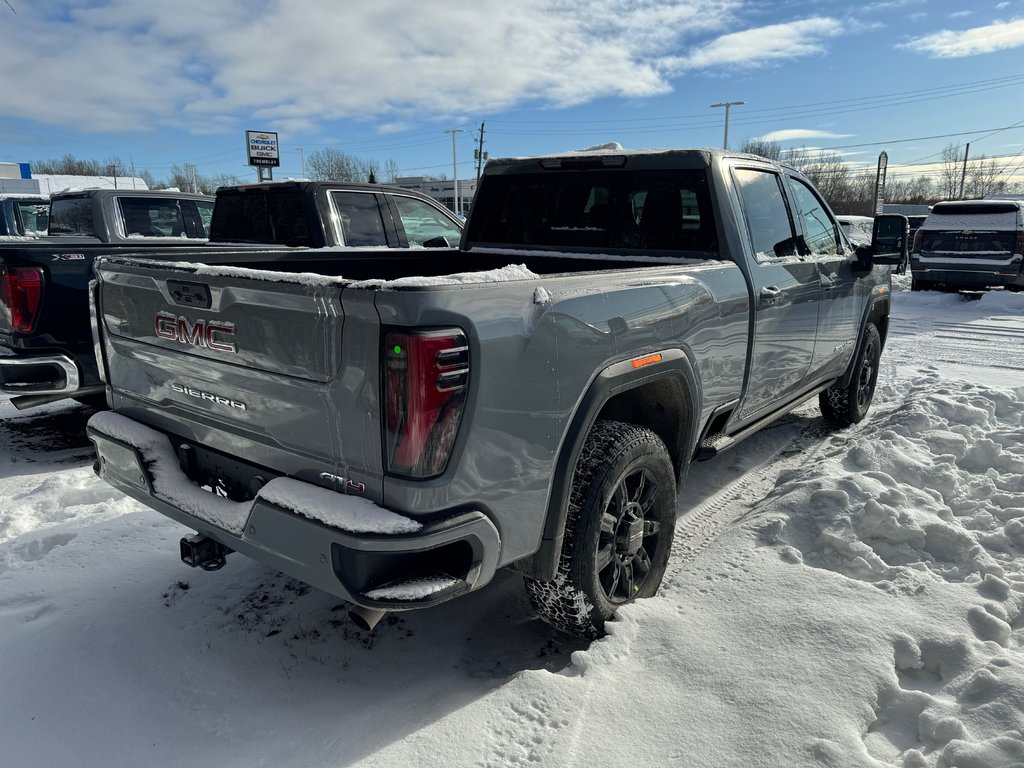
{"points": [[262, 148]]}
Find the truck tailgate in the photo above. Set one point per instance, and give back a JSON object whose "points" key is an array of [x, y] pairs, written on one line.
{"points": [[248, 367]]}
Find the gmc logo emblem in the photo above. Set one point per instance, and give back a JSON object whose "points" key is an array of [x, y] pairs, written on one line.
{"points": [[201, 333]]}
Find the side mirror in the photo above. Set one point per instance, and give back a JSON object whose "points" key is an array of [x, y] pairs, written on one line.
{"points": [[889, 239], [437, 242]]}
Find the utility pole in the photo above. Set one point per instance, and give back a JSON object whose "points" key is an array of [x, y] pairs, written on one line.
{"points": [[963, 176], [113, 172], [302, 159], [457, 207], [480, 155], [728, 105]]}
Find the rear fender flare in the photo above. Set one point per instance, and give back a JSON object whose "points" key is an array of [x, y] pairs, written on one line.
{"points": [[674, 368]]}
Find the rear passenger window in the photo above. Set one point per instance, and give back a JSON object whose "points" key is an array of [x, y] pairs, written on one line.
{"points": [[151, 217], [360, 219], [771, 231], [820, 232], [72, 216]]}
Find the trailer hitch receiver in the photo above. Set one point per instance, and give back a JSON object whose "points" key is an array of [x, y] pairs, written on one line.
{"points": [[203, 552]]}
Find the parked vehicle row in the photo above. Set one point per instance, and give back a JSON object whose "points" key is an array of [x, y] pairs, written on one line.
{"points": [[393, 434], [46, 349]]}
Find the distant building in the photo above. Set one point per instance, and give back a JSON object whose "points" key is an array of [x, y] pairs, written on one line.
{"points": [[441, 190], [18, 178]]}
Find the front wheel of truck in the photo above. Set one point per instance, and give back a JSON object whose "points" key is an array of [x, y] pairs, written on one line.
{"points": [[847, 405], [618, 532]]}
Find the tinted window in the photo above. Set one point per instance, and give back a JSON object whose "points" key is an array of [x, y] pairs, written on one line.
{"points": [[956, 209], [423, 222], [360, 219], [606, 209], [820, 233], [33, 218], [152, 217], [71, 216], [265, 215], [771, 232]]}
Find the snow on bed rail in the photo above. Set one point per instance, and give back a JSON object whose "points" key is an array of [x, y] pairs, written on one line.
{"points": [[313, 279], [347, 513], [502, 275]]}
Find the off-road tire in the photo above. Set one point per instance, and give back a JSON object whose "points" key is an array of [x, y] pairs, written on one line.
{"points": [[623, 474], [843, 406], [917, 284]]}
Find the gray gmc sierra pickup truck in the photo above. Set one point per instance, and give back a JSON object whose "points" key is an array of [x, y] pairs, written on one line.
{"points": [[393, 433]]}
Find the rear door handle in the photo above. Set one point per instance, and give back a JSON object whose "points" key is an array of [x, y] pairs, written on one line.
{"points": [[770, 294]]}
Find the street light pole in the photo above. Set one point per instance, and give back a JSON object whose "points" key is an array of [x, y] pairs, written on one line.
{"points": [[456, 203], [727, 105], [302, 159]]}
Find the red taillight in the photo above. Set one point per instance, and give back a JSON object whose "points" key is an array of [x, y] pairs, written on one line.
{"points": [[426, 374], [21, 291], [918, 239], [1020, 242]]}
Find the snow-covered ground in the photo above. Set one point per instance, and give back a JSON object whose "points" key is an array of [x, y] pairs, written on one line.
{"points": [[835, 599]]}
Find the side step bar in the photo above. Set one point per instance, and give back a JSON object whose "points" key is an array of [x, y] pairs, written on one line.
{"points": [[712, 445]]}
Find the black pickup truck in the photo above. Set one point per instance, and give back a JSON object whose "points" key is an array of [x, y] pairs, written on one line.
{"points": [[393, 433], [46, 350], [22, 216]]}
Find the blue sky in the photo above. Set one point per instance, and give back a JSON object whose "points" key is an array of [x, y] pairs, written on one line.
{"points": [[162, 83]]}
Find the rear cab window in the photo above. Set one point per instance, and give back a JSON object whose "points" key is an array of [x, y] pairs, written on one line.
{"points": [[260, 215], [661, 211]]}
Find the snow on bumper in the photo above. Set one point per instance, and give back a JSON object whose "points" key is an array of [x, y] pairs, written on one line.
{"points": [[345, 545]]}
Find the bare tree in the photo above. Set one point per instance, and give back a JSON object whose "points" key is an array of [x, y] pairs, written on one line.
{"points": [[983, 179], [950, 172], [333, 164], [370, 170], [770, 149], [391, 170], [68, 165]]}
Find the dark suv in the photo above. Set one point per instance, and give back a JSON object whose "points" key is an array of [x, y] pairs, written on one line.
{"points": [[970, 244]]}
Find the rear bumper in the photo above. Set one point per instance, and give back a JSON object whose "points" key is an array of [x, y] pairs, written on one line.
{"points": [[416, 566], [965, 273], [47, 374]]}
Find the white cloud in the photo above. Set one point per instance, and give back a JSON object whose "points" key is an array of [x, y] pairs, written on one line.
{"points": [[947, 44], [796, 134], [960, 14], [754, 47], [293, 64]]}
